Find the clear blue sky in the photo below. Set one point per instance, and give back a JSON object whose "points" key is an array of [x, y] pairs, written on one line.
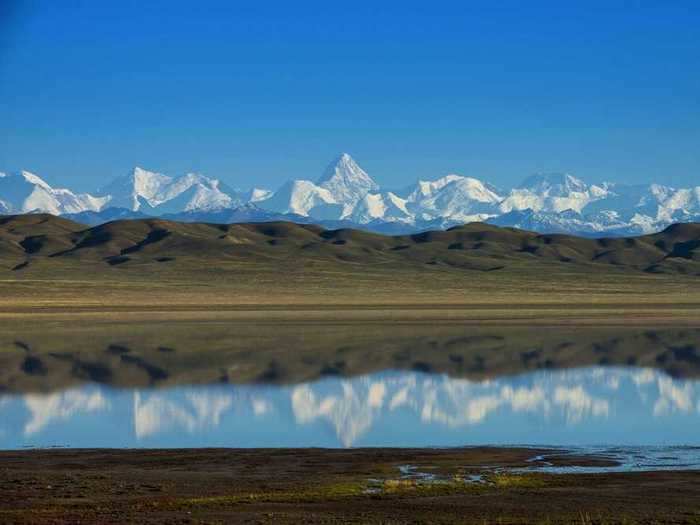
{"points": [[259, 92]]}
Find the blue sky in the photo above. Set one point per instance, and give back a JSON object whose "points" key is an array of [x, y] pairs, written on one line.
{"points": [[256, 93]]}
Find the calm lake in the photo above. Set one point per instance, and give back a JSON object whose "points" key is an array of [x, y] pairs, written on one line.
{"points": [[437, 388]]}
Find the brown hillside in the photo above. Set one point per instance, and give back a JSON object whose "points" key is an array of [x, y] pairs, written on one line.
{"points": [[28, 240]]}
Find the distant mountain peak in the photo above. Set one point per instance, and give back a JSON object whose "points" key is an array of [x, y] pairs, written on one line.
{"points": [[34, 179], [141, 174], [555, 192], [25, 192], [344, 158], [542, 181], [138, 172], [142, 189], [341, 160], [343, 165], [347, 182], [28, 177]]}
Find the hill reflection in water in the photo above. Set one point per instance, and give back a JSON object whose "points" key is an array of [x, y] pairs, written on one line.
{"points": [[340, 385], [165, 354]]}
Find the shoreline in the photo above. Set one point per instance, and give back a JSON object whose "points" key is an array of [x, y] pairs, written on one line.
{"points": [[331, 486]]}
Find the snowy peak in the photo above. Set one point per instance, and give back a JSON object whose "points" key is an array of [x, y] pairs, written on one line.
{"points": [[475, 189], [25, 192], [552, 192], [35, 180], [142, 189], [424, 188], [386, 206], [144, 183], [346, 181], [554, 184], [459, 198], [24, 178], [303, 197], [345, 168], [334, 196], [148, 182], [135, 189]]}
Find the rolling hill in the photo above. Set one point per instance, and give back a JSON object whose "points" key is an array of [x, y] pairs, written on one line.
{"points": [[40, 241]]}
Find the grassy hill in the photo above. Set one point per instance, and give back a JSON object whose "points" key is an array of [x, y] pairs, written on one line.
{"points": [[28, 239], [50, 260]]}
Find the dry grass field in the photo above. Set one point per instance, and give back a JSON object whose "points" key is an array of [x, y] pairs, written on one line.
{"points": [[46, 261]]}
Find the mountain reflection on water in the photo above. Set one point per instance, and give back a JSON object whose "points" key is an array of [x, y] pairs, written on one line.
{"points": [[584, 406]]}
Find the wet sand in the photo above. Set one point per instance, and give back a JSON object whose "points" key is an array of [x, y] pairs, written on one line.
{"points": [[330, 486]]}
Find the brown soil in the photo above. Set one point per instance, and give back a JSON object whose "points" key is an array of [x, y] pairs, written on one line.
{"points": [[327, 486]]}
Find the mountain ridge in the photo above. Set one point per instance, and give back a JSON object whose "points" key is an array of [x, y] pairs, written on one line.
{"points": [[40, 238], [546, 202]]}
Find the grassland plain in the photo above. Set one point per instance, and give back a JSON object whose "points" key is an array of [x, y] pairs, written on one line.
{"points": [[51, 262]]}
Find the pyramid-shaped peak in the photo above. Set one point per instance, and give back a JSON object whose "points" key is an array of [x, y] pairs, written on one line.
{"points": [[345, 159], [138, 181], [142, 173], [346, 176], [147, 182]]}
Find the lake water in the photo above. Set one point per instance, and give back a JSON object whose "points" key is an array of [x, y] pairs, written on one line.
{"points": [[630, 394], [574, 407]]}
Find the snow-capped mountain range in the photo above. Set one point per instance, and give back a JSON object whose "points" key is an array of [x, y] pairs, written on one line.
{"points": [[345, 195]]}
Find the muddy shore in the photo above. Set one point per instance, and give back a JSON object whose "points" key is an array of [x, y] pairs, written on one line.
{"points": [[331, 486]]}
